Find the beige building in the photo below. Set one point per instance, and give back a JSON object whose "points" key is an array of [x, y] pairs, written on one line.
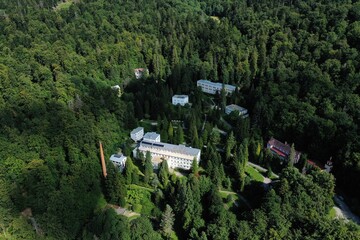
{"points": [[178, 156]]}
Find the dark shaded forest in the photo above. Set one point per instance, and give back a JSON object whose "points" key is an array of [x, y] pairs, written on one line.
{"points": [[296, 64]]}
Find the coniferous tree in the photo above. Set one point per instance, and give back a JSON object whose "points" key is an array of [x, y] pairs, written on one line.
{"points": [[230, 143], [180, 135], [148, 167], [171, 132], [292, 155], [195, 167], [115, 186], [167, 221], [164, 173], [129, 170]]}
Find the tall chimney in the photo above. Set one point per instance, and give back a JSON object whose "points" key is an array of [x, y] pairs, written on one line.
{"points": [[102, 160]]}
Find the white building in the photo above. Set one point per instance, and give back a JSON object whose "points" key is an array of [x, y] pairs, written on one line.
{"points": [[177, 156], [117, 88], [231, 108], [180, 99], [212, 87], [329, 165], [141, 72], [118, 160], [152, 137], [137, 134]]}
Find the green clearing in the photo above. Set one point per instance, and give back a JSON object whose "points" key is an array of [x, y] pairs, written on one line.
{"points": [[332, 213], [148, 125], [139, 199], [254, 174], [64, 5], [101, 203], [229, 198], [133, 217], [215, 18], [137, 187]]}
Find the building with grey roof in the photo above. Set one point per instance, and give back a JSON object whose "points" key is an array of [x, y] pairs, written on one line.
{"points": [[180, 99], [178, 156], [214, 87], [118, 160], [137, 134], [151, 137], [233, 107]]}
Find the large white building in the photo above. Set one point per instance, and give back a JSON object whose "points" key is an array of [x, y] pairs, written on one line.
{"points": [[212, 87], [233, 107], [137, 134], [177, 156], [118, 160], [180, 99]]}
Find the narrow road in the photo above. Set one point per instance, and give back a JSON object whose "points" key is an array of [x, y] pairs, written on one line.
{"points": [[345, 210], [203, 126], [261, 168]]}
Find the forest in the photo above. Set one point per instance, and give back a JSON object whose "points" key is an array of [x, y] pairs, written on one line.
{"points": [[296, 65]]}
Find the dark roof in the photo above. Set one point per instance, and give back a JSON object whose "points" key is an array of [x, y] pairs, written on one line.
{"points": [[312, 163], [282, 147]]}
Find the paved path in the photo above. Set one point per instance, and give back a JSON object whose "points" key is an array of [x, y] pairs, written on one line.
{"points": [[267, 180], [261, 168], [343, 211], [123, 211]]}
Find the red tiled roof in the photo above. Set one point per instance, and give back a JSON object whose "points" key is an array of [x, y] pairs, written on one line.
{"points": [[278, 152], [282, 149], [312, 163]]}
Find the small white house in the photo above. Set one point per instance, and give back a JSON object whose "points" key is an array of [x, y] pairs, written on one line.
{"points": [[137, 134], [231, 108], [151, 137], [118, 160], [141, 72], [328, 166], [180, 99], [117, 88]]}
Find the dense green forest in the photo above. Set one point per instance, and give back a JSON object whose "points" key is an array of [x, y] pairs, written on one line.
{"points": [[296, 63]]}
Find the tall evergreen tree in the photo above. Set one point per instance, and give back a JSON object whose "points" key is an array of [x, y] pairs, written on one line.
{"points": [[230, 143], [164, 173], [292, 155], [148, 167], [167, 221]]}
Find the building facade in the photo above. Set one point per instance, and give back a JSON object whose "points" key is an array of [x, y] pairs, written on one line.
{"points": [[137, 134], [177, 156], [180, 99], [231, 108], [213, 87], [119, 161]]}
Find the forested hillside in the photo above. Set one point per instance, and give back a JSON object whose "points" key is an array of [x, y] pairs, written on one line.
{"points": [[296, 64]]}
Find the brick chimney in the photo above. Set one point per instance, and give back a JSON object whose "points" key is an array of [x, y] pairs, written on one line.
{"points": [[103, 165]]}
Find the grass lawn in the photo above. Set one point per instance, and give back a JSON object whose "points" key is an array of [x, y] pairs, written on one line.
{"points": [[274, 177], [64, 5], [101, 203], [225, 196], [254, 174], [134, 186], [332, 213], [148, 125], [133, 217]]}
